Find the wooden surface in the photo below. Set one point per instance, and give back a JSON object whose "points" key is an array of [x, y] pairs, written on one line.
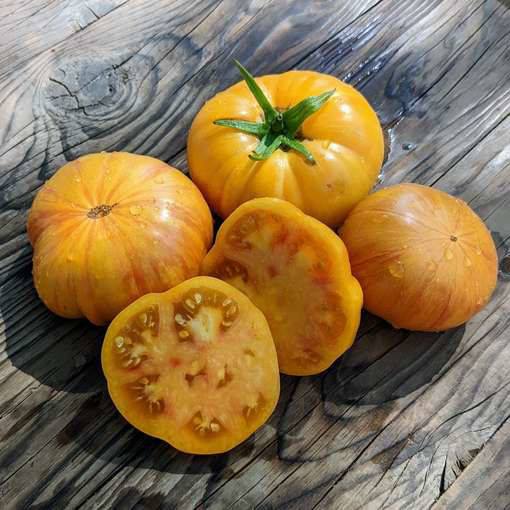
{"points": [[403, 420]]}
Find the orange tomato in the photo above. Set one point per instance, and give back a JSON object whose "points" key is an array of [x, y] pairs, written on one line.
{"points": [[195, 366], [424, 259], [296, 270], [344, 138], [108, 228]]}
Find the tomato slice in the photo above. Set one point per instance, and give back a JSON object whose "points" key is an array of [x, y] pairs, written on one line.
{"points": [[297, 271], [195, 366]]}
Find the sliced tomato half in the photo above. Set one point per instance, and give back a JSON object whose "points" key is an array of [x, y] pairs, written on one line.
{"points": [[195, 366], [297, 271]]}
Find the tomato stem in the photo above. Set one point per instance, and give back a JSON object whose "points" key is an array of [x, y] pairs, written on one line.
{"points": [[278, 129]]}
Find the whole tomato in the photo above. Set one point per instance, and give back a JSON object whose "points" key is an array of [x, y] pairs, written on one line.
{"points": [[302, 136], [108, 228], [424, 259]]}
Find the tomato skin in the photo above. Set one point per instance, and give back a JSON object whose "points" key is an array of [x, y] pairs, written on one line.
{"points": [[344, 136], [296, 270], [254, 331], [424, 259], [154, 236]]}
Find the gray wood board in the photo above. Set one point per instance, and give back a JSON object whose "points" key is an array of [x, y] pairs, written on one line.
{"points": [[403, 420]]}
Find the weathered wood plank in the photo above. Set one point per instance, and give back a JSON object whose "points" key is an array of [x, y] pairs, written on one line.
{"points": [[484, 483], [371, 431]]}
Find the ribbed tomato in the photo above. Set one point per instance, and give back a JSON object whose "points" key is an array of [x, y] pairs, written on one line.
{"points": [[424, 259], [110, 227], [302, 136], [296, 270], [195, 366]]}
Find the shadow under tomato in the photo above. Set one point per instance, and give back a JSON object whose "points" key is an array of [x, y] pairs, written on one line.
{"points": [[54, 351], [99, 429], [361, 389]]}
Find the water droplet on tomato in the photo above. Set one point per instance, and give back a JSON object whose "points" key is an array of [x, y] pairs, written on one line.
{"points": [[77, 179], [478, 250], [135, 210], [396, 269], [70, 257], [467, 262], [448, 254]]}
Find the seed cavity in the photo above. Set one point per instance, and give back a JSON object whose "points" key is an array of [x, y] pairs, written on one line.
{"points": [[225, 376], [242, 229], [231, 311], [205, 425], [254, 402], [133, 340], [200, 313], [230, 269], [146, 390], [195, 370]]}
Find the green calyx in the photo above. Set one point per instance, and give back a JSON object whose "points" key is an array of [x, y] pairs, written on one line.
{"points": [[278, 129]]}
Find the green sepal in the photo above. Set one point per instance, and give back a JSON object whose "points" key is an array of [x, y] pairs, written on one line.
{"points": [[294, 117], [297, 146], [268, 144], [269, 112], [253, 128]]}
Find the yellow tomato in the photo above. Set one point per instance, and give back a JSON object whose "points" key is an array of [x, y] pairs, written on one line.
{"points": [[424, 259], [343, 136], [195, 366], [108, 228], [296, 270]]}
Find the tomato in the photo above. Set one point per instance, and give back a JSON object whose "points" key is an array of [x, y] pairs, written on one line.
{"points": [[296, 270], [110, 227], [332, 163], [195, 366], [424, 259]]}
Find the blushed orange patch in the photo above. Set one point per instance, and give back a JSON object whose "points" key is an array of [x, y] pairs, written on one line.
{"points": [[272, 271], [280, 237]]}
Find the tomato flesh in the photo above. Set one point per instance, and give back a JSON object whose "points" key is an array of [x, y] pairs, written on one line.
{"points": [[297, 272], [195, 366]]}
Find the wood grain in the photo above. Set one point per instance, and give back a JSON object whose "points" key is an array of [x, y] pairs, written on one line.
{"points": [[397, 422]]}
